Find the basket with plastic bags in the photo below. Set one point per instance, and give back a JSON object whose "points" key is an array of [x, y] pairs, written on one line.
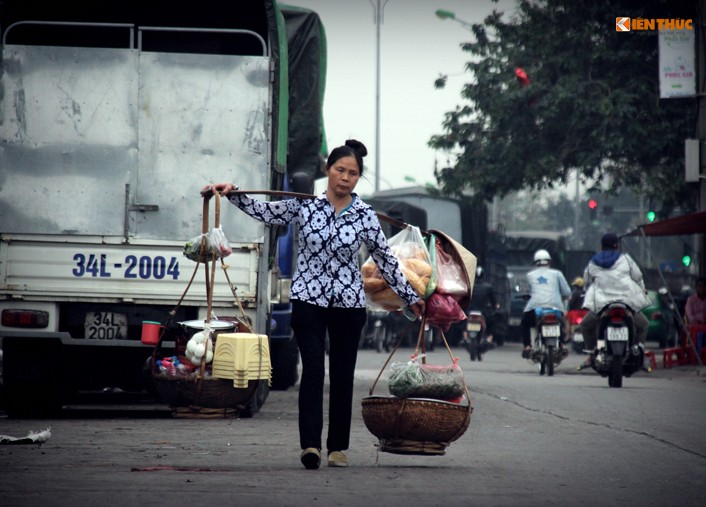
{"points": [[430, 407]]}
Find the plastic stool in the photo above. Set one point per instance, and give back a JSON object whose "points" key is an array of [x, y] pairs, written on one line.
{"points": [[672, 356]]}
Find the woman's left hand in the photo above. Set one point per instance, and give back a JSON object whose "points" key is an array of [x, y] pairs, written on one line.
{"points": [[418, 308], [218, 189]]}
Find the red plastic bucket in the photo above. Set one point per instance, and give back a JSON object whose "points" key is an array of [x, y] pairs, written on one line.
{"points": [[150, 332]]}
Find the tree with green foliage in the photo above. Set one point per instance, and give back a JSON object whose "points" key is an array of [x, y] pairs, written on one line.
{"points": [[557, 90]]}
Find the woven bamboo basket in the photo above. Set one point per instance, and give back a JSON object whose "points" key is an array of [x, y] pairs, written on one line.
{"points": [[209, 397], [415, 425], [420, 426], [204, 396]]}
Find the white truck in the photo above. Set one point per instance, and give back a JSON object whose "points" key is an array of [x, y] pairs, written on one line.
{"points": [[113, 116]]}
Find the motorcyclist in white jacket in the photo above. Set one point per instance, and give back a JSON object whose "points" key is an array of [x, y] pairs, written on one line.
{"points": [[612, 277], [548, 289]]}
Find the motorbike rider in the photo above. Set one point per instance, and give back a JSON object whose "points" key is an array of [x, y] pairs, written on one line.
{"points": [[548, 289], [484, 300], [577, 294], [611, 277]]}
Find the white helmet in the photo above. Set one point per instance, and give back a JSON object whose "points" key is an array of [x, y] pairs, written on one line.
{"points": [[542, 257]]}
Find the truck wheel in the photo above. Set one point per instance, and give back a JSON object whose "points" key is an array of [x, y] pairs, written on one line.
{"points": [[285, 364], [257, 400], [30, 370], [35, 401]]}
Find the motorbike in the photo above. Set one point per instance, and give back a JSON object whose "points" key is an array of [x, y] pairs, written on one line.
{"points": [[616, 355], [377, 334], [546, 340], [573, 318], [474, 336]]}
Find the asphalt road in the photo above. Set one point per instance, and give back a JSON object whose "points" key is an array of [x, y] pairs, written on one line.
{"points": [[533, 440]]}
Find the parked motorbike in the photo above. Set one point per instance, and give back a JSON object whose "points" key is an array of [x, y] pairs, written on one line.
{"points": [[617, 355], [546, 340], [573, 318], [474, 336]]}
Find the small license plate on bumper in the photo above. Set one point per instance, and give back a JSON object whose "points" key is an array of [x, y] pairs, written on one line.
{"points": [[473, 326], [551, 331], [105, 326], [617, 334]]}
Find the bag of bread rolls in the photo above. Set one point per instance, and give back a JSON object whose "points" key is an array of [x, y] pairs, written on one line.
{"points": [[411, 252]]}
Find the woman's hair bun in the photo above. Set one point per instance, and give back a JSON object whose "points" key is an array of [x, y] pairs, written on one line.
{"points": [[357, 146]]}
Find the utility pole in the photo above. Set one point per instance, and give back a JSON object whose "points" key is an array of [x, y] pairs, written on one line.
{"points": [[379, 6], [701, 121]]}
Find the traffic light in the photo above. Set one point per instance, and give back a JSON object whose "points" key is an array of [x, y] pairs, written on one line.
{"points": [[593, 206], [651, 215], [686, 258]]}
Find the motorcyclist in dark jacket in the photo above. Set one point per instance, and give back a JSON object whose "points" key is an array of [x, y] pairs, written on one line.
{"points": [[484, 300]]}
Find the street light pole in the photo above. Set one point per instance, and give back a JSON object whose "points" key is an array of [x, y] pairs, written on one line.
{"points": [[379, 7]]}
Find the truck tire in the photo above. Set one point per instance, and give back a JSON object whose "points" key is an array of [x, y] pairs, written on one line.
{"points": [[30, 370], [285, 364], [257, 400]]}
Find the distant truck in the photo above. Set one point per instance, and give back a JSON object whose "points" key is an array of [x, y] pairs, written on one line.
{"points": [[114, 115]]}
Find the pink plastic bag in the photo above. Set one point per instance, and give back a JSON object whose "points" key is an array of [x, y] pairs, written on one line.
{"points": [[450, 277]]}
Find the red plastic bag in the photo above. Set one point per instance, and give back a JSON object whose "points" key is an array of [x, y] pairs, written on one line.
{"points": [[443, 310]]}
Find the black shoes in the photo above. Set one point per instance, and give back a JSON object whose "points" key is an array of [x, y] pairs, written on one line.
{"points": [[311, 458]]}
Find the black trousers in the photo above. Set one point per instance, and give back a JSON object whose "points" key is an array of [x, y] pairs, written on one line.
{"points": [[529, 320], [344, 325]]}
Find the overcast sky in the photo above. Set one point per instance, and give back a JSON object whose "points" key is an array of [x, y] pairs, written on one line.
{"points": [[415, 48]]}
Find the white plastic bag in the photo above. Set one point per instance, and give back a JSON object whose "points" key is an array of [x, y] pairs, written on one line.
{"points": [[216, 246], [415, 380], [409, 249]]}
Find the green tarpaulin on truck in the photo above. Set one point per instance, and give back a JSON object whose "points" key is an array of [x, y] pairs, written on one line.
{"points": [[307, 79]]}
